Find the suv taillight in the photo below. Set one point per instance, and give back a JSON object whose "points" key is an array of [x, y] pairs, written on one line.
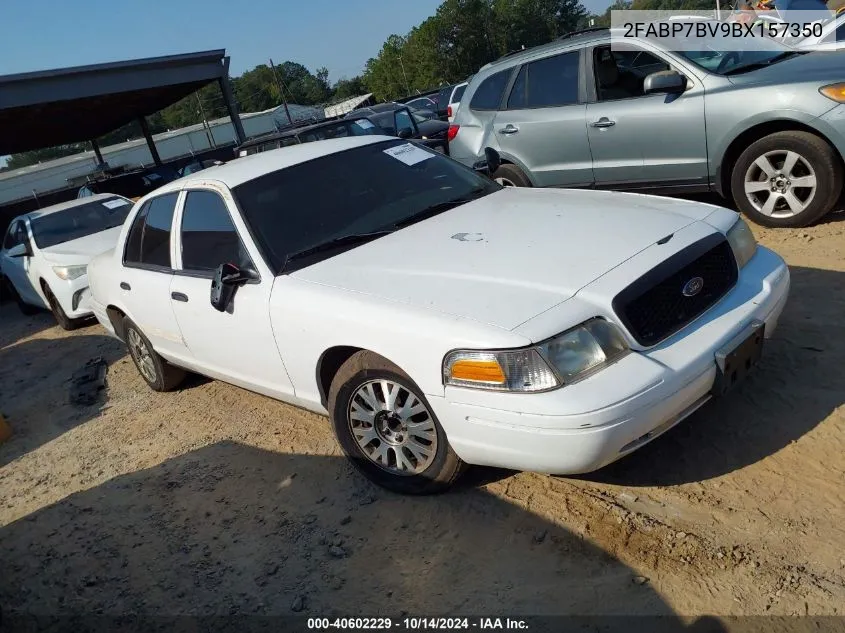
{"points": [[453, 132], [449, 111]]}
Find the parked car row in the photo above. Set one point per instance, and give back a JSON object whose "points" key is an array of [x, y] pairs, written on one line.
{"points": [[765, 127]]}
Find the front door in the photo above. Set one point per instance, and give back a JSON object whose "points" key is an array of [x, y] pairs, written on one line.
{"points": [[639, 139], [19, 270], [238, 345], [542, 125]]}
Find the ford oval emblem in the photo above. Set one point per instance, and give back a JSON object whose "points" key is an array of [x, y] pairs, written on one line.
{"points": [[693, 287]]}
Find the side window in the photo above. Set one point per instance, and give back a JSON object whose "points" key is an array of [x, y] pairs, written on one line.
{"points": [[516, 99], [620, 74], [209, 237], [489, 93], [149, 238], [840, 33], [404, 122], [552, 81]]}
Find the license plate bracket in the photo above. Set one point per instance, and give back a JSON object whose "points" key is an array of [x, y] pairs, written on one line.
{"points": [[738, 357]]}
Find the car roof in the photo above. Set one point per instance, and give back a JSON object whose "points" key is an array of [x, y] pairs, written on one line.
{"points": [[574, 40], [76, 202], [272, 136], [250, 167]]}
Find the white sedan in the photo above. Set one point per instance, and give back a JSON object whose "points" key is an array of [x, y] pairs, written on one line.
{"points": [[436, 317], [45, 254]]}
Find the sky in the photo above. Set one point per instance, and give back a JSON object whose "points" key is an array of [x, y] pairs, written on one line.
{"points": [[338, 34]]}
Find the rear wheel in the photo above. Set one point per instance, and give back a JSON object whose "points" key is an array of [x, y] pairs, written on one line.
{"points": [[157, 372], [388, 430], [509, 175], [787, 179]]}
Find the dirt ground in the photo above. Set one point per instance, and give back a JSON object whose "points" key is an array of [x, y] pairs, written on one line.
{"points": [[216, 501]]}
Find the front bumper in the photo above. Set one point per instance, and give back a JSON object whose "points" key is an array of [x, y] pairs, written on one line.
{"points": [[585, 426], [74, 295]]}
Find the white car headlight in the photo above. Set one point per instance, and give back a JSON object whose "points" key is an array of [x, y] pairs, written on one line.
{"points": [[742, 241], [69, 272], [562, 360]]}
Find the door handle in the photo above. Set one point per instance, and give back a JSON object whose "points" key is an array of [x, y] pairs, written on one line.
{"points": [[179, 296], [125, 286], [603, 122], [509, 129]]}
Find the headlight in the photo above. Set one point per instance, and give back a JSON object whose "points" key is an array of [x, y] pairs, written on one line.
{"points": [[742, 241], [564, 359], [69, 272], [835, 92]]}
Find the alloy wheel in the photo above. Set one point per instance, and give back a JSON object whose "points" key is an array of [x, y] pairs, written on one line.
{"points": [[393, 427], [141, 354], [780, 184]]}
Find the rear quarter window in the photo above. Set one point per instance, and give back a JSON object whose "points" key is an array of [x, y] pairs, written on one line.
{"points": [[488, 96]]}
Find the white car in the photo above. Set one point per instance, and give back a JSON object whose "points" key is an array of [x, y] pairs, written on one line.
{"points": [[455, 101], [831, 37], [45, 254], [438, 318]]}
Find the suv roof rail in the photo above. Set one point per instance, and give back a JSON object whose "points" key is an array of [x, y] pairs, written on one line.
{"points": [[594, 29]]}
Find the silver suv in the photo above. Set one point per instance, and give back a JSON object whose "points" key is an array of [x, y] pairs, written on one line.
{"points": [[765, 127]]}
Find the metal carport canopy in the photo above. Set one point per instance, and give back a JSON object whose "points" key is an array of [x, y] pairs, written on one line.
{"points": [[70, 105]]}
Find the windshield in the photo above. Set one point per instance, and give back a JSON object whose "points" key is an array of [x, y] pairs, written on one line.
{"points": [[359, 191], [79, 221], [719, 55]]}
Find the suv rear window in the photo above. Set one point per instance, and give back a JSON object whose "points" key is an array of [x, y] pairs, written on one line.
{"points": [[488, 96], [459, 92]]}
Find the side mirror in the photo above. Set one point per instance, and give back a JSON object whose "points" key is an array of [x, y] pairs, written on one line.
{"points": [[21, 250], [665, 82], [493, 160], [226, 280], [405, 133]]}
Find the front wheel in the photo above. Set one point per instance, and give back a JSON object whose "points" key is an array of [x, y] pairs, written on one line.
{"points": [[64, 321], [156, 372], [787, 179], [386, 427]]}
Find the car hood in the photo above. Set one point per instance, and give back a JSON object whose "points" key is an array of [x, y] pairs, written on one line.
{"points": [[816, 65], [81, 250], [508, 256]]}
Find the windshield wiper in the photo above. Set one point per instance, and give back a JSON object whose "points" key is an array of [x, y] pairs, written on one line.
{"points": [[338, 242], [438, 208], [769, 62]]}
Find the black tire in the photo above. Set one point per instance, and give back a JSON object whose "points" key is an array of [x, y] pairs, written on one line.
{"points": [[25, 308], [361, 368], [512, 174], [821, 157], [165, 377], [65, 322]]}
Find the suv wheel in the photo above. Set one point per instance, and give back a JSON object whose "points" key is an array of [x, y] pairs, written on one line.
{"points": [[787, 179], [387, 429], [509, 175]]}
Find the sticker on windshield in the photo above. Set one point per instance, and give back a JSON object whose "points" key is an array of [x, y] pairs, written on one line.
{"points": [[364, 123], [114, 204], [408, 153]]}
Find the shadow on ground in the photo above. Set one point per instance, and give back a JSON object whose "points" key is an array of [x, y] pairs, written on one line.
{"points": [[231, 530], [34, 386], [799, 383]]}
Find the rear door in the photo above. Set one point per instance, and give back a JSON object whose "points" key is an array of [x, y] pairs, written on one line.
{"points": [[144, 280], [237, 345], [541, 125], [640, 139]]}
